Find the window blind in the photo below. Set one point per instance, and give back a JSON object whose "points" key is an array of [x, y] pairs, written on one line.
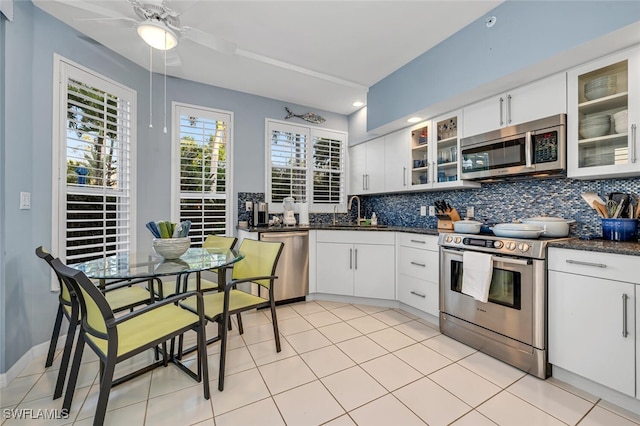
{"points": [[96, 220], [203, 194]]}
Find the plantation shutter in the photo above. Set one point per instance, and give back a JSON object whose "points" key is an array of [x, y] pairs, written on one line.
{"points": [[204, 136], [288, 163], [307, 163], [96, 184]]}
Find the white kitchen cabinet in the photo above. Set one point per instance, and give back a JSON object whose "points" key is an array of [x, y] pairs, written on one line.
{"points": [[367, 167], [592, 329], [356, 263], [417, 280], [612, 152], [396, 161], [435, 145], [533, 101]]}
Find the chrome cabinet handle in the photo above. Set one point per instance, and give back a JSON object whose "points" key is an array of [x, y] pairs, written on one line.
{"points": [[501, 104], [350, 258], [404, 176], [625, 332], [633, 143], [578, 262], [419, 241], [418, 264], [435, 171], [356, 258], [363, 184], [418, 294], [508, 109]]}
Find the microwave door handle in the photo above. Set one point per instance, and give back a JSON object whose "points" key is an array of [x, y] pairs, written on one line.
{"points": [[527, 150]]}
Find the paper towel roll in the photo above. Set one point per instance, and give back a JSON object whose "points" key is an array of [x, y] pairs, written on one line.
{"points": [[303, 218]]}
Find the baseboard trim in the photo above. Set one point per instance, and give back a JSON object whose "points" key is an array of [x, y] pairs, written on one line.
{"points": [[30, 355]]}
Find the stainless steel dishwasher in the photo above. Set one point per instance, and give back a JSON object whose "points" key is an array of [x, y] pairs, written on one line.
{"points": [[293, 266]]}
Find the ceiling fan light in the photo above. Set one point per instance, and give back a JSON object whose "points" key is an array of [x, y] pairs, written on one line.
{"points": [[157, 35]]}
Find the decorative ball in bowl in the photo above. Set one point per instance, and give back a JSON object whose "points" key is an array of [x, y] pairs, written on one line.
{"points": [[171, 248]]}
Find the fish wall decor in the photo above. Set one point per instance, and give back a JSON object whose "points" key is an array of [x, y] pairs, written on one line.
{"points": [[311, 117]]}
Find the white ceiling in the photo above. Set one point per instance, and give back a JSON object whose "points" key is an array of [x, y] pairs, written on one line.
{"points": [[321, 54]]}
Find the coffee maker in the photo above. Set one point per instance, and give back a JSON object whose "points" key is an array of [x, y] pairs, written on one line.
{"points": [[260, 214]]}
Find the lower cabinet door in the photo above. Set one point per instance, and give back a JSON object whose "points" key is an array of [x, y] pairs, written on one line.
{"points": [[334, 268], [420, 294], [592, 329], [374, 271]]}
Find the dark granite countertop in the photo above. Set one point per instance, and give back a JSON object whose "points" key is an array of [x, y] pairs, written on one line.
{"points": [[343, 227], [598, 245]]}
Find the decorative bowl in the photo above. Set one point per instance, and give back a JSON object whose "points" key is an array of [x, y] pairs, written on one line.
{"points": [[620, 120], [171, 248], [599, 87]]}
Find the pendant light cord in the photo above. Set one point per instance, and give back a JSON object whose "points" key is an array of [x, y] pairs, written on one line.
{"points": [[150, 87], [165, 85]]}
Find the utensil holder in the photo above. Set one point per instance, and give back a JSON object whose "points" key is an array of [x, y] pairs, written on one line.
{"points": [[447, 224]]}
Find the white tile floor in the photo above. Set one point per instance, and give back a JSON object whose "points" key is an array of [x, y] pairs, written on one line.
{"points": [[340, 364]]}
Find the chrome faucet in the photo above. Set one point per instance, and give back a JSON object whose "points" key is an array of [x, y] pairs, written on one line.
{"points": [[359, 220], [335, 210]]}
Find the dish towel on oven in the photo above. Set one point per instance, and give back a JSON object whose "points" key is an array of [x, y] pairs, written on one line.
{"points": [[476, 275]]}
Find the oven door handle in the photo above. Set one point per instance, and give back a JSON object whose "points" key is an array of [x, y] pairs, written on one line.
{"points": [[509, 260]]}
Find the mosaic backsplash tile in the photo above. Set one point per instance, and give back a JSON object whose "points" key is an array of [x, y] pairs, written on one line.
{"points": [[494, 202]]}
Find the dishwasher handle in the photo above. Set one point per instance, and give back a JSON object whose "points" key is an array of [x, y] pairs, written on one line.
{"points": [[279, 235]]}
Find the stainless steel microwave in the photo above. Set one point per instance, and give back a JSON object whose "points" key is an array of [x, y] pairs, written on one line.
{"points": [[536, 147]]}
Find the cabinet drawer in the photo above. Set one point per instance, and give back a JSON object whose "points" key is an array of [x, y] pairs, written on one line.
{"points": [[421, 264], [616, 267], [356, 237], [420, 241], [420, 294]]}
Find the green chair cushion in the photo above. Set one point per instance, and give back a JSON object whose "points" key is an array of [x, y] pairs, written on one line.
{"points": [[126, 296], [213, 303], [169, 288], [148, 327]]}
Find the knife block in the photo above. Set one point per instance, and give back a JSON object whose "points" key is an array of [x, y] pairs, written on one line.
{"points": [[447, 224]]}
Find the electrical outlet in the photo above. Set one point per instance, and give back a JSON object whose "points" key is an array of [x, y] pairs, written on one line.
{"points": [[423, 210], [248, 206], [432, 210], [471, 212]]}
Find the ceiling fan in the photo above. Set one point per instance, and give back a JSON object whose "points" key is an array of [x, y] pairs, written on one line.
{"points": [[156, 16]]}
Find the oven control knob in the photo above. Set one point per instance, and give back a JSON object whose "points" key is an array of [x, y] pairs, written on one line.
{"points": [[511, 245], [523, 247], [449, 238], [498, 244], [457, 240]]}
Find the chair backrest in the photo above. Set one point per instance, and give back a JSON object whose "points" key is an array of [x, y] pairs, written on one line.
{"points": [[219, 242], [94, 307], [260, 259], [65, 293]]}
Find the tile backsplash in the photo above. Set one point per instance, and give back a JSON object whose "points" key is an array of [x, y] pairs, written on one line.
{"points": [[494, 202]]}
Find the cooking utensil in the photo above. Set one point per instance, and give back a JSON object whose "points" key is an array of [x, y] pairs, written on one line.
{"points": [[552, 226], [590, 198], [637, 213], [517, 230], [467, 226], [601, 209]]}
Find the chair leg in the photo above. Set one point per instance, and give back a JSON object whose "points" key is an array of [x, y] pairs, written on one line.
{"points": [[203, 362], [240, 328], [105, 387], [274, 320], [73, 376], [54, 337], [223, 350], [66, 356]]}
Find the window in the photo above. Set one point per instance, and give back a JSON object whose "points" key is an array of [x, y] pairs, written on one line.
{"points": [[202, 188], [306, 163], [94, 140]]}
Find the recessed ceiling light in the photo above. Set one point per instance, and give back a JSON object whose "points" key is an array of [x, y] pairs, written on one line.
{"points": [[358, 103], [414, 119]]}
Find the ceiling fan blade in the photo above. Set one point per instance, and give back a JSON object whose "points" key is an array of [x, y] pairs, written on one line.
{"points": [[173, 58], [208, 40], [91, 7], [119, 22]]}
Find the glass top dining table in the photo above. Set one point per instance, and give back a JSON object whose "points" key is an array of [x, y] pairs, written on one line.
{"points": [[133, 266]]}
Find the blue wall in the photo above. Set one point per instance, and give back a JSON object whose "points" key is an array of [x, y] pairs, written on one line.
{"points": [[526, 33]]}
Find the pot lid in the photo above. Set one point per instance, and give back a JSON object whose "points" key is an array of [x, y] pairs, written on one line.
{"points": [[468, 221], [546, 219], [516, 227]]}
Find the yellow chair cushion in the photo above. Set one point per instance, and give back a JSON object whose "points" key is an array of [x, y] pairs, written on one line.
{"points": [[213, 302], [148, 327], [126, 296], [169, 288]]}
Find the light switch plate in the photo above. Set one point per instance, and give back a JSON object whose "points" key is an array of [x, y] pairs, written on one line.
{"points": [[471, 212], [423, 210], [432, 210], [25, 200], [248, 206]]}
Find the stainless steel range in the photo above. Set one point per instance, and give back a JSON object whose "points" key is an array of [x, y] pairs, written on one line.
{"points": [[512, 325]]}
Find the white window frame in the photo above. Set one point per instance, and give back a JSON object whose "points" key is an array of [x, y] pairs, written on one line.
{"points": [[176, 109], [62, 69], [311, 131]]}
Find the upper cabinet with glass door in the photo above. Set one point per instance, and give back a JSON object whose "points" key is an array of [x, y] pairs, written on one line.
{"points": [[604, 111], [435, 146]]}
